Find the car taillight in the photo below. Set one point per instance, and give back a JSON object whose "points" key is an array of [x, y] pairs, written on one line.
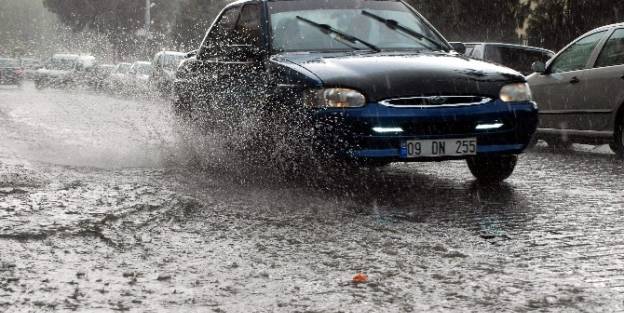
{"points": [[19, 72]]}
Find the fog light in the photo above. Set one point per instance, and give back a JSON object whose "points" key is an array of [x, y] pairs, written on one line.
{"points": [[490, 126], [387, 130]]}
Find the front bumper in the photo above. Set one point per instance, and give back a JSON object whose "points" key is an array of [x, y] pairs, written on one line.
{"points": [[349, 132]]}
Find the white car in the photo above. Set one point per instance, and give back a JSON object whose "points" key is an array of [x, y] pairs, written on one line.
{"points": [[57, 72], [165, 65], [138, 78], [116, 80]]}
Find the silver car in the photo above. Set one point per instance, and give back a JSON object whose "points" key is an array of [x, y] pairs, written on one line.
{"points": [[581, 91]]}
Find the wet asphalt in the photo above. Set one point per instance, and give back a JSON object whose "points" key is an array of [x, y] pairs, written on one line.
{"points": [[106, 206]]}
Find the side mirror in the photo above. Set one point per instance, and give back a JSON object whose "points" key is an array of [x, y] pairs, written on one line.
{"points": [[458, 47], [538, 67], [191, 54]]}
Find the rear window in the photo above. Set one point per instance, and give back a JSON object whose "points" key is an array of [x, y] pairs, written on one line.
{"points": [[8, 62], [516, 58]]}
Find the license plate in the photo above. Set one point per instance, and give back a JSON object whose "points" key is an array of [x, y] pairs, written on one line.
{"points": [[439, 148]]}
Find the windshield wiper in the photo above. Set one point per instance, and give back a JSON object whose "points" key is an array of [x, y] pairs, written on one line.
{"points": [[327, 29], [394, 25]]}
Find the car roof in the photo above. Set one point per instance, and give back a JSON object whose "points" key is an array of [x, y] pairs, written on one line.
{"points": [[513, 45], [606, 27]]}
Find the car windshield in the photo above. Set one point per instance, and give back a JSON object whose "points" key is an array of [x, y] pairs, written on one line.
{"points": [[8, 62], [359, 18], [62, 64]]}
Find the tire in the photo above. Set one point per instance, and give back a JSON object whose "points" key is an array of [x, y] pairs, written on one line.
{"points": [[618, 141], [39, 85], [532, 143], [492, 169]]}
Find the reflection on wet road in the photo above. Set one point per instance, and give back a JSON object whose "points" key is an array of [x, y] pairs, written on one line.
{"points": [[101, 207]]}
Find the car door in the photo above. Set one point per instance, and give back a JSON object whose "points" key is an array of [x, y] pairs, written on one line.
{"points": [[605, 84], [204, 84], [240, 74], [559, 91]]}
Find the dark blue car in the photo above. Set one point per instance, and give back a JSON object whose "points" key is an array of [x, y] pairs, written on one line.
{"points": [[367, 81]]}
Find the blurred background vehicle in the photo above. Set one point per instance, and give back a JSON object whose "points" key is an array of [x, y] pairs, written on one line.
{"points": [[100, 75], [165, 65], [85, 71], [517, 57], [115, 81], [11, 72], [580, 91], [30, 65], [57, 71], [137, 80]]}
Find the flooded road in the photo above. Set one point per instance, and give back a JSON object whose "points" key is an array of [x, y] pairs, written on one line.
{"points": [[103, 208]]}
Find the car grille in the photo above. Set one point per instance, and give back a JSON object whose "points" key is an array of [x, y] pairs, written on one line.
{"points": [[435, 101]]}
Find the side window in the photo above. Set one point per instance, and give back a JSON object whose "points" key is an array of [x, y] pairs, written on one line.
{"points": [[613, 52], [222, 32], [248, 29], [577, 55]]}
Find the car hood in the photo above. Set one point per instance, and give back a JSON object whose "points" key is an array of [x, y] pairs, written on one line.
{"points": [[384, 75]]}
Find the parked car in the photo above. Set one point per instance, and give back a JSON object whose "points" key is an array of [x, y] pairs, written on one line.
{"points": [[139, 77], [100, 75], [85, 71], [11, 72], [517, 57], [58, 71], [366, 81], [30, 65], [580, 91], [165, 64], [116, 80]]}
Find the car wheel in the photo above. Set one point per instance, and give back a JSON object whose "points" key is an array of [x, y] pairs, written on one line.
{"points": [[181, 105], [532, 143], [492, 169], [39, 84], [618, 141]]}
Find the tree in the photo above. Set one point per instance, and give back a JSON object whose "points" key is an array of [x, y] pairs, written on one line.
{"points": [[554, 23], [193, 20], [475, 20], [119, 20]]}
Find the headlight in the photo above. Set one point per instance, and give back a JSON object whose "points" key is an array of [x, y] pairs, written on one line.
{"points": [[519, 92], [334, 98]]}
